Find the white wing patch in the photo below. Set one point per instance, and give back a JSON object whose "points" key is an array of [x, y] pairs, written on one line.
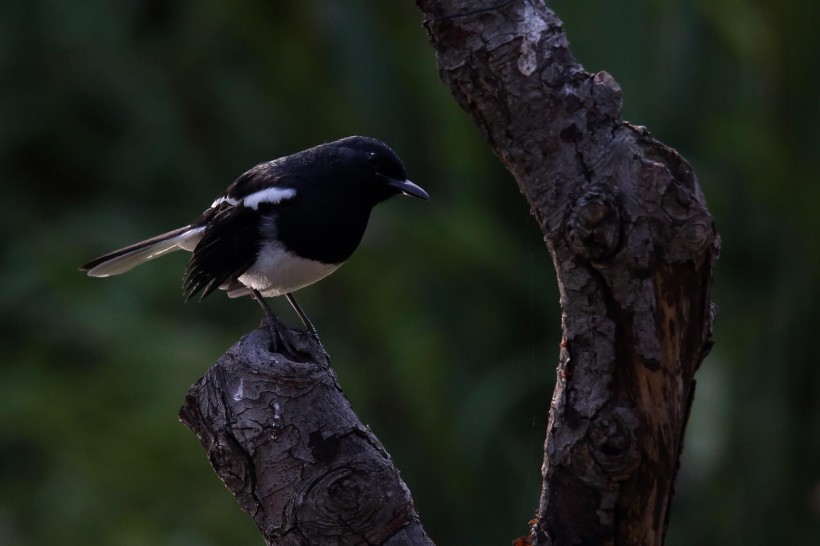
{"points": [[270, 195], [253, 200]]}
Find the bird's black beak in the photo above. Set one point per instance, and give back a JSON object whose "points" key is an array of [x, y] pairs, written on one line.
{"points": [[407, 188]]}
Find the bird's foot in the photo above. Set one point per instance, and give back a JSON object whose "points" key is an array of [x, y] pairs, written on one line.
{"points": [[314, 335], [310, 329], [276, 341], [284, 340], [274, 326]]}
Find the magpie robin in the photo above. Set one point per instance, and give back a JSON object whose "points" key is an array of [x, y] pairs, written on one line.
{"points": [[281, 226]]}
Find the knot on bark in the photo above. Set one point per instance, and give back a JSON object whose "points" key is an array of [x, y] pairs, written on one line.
{"points": [[612, 442], [679, 203], [606, 92], [594, 226], [353, 503], [692, 225]]}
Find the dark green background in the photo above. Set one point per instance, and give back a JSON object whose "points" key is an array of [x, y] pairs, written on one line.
{"points": [[120, 120]]}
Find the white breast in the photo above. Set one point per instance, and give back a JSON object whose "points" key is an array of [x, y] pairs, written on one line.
{"points": [[277, 271]]}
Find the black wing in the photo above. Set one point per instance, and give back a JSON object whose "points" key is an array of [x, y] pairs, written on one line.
{"points": [[231, 241], [229, 246]]}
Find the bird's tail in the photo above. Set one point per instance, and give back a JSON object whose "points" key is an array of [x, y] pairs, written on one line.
{"points": [[124, 259]]}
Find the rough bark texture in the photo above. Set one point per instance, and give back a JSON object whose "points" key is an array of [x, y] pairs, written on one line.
{"points": [[633, 246], [283, 438]]}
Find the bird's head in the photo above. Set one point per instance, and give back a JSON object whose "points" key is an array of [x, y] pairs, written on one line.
{"points": [[376, 168]]}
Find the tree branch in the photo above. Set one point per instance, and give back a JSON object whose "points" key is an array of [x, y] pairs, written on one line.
{"points": [[633, 246], [283, 438]]}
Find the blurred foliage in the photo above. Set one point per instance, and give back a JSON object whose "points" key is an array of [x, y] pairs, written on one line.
{"points": [[119, 120]]}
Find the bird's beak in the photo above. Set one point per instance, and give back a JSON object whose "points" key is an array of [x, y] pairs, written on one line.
{"points": [[407, 188]]}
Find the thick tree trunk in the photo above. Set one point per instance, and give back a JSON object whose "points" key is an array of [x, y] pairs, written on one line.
{"points": [[633, 245]]}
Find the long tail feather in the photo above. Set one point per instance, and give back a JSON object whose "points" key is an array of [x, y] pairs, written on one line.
{"points": [[124, 259]]}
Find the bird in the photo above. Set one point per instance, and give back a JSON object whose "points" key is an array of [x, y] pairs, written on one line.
{"points": [[281, 226]]}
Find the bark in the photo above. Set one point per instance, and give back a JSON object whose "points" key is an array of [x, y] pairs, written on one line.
{"points": [[283, 438], [633, 245]]}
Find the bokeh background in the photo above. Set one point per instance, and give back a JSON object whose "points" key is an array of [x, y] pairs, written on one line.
{"points": [[120, 120]]}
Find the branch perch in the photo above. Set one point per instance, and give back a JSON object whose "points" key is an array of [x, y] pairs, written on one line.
{"points": [[283, 438]]}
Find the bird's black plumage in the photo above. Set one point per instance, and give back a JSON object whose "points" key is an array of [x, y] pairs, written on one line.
{"points": [[281, 225], [230, 243]]}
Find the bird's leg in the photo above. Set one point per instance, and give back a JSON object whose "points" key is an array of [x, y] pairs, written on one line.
{"points": [[311, 329], [271, 319]]}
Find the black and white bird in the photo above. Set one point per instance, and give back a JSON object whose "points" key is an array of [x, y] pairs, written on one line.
{"points": [[281, 226]]}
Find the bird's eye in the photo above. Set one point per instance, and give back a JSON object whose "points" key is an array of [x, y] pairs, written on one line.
{"points": [[373, 159]]}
